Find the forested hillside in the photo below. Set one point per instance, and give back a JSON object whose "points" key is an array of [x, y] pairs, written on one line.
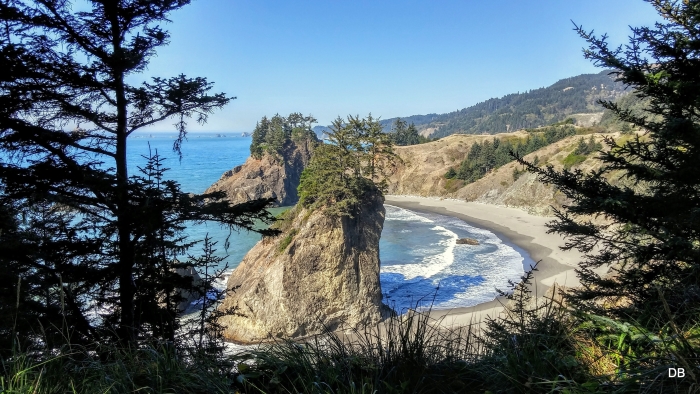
{"points": [[535, 108]]}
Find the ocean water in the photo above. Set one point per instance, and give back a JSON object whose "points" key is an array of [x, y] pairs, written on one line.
{"points": [[421, 263]]}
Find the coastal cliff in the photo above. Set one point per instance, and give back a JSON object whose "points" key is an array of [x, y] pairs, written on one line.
{"points": [[322, 271], [274, 175]]}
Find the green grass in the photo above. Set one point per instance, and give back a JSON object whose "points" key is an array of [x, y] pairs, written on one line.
{"points": [[149, 369], [537, 346], [573, 160], [286, 240]]}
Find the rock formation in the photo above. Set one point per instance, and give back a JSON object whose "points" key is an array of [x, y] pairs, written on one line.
{"points": [[272, 176], [321, 271], [187, 295]]}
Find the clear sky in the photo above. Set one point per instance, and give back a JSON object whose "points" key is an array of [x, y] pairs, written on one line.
{"points": [[390, 58]]}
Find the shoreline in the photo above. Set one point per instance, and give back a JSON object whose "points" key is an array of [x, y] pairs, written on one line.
{"points": [[514, 227]]}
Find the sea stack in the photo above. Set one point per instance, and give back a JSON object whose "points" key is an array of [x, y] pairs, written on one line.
{"points": [[321, 271], [274, 175]]}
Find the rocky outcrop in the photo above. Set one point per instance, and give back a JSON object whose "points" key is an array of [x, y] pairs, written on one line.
{"points": [[272, 176], [188, 296], [320, 272]]}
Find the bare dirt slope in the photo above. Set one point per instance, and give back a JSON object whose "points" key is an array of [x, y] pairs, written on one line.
{"points": [[424, 166]]}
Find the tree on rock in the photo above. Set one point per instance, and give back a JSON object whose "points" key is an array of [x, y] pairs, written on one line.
{"points": [[270, 135], [355, 161]]}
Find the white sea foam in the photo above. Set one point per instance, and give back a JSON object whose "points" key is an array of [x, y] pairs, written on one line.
{"points": [[466, 275], [406, 215], [431, 264]]}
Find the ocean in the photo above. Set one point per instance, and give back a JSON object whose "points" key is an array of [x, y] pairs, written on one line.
{"points": [[421, 262]]}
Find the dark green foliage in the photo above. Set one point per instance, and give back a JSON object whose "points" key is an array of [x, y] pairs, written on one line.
{"points": [[586, 148], [451, 173], [581, 153], [533, 348], [406, 135], [355, 161], [270, 135], [490, 155], [652, 237], [92, 247], [535, 108]]}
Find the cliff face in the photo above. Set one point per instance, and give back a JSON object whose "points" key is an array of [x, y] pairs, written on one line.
{"points": [[272, 176], [321, 271]]}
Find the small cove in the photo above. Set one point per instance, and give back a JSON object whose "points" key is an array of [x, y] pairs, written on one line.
{"points": [[421, 264]]}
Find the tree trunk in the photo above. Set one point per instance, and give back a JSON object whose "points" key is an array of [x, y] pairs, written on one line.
{"points": [[127, 288]]}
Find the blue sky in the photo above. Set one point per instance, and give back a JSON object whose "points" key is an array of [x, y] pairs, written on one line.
{"points": [[390, 58]]}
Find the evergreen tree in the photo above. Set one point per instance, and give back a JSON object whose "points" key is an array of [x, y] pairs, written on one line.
{"points": [[63, 69], [271, 135], [355, 161], [651, 240], [488, 155], [405, 134]]}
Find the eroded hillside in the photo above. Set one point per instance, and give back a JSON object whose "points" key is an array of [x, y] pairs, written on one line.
{"points": [[422, 172]]}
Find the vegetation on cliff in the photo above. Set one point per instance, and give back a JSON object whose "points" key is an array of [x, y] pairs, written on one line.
{"points": [[271, 135], [490, 155], [583, 150], [280, 150], [354, 161], [621, 333]]}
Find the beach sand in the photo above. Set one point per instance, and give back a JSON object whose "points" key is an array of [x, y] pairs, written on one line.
{"points": [[513, 226]]}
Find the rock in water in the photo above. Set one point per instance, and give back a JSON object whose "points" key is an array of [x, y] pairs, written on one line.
{"points": [[272, 176], [321, 271]]}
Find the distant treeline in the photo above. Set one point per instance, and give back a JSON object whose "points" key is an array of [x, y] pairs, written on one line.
{"points": [[489, 155], [534, 108], [404, 134]]}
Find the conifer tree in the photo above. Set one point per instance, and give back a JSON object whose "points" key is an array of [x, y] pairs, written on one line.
{"points": [[651, 240], [354, 162], [68, 67]]}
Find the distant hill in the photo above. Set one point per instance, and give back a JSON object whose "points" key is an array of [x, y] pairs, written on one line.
{"points": [[530, 109], [535, 108]]}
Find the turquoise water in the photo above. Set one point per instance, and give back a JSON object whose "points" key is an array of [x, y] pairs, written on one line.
{"points": [[420, 260], [204, 158]]}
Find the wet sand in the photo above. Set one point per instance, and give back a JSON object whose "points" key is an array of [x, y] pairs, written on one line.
{"points": [[516, 228]]}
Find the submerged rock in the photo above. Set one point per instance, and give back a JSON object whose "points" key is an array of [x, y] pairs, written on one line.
{"points": [[320, 272], [272, 176], [467, 241]]}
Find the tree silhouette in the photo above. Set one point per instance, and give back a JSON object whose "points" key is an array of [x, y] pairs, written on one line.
{"points": [[650, 239], [69, 68]]}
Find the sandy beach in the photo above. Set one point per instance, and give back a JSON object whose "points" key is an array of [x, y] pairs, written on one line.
{"points": [[514, 226]]}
